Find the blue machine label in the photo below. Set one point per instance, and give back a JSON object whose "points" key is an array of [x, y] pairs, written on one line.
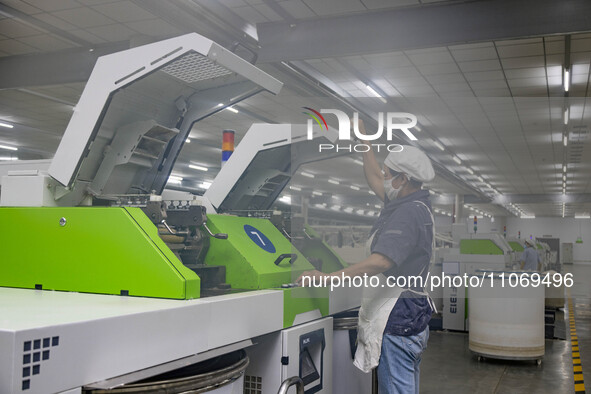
{"points": [[259, 238]]}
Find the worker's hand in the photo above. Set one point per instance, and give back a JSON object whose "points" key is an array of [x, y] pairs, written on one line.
{"points": [[361, 126], [311, 274]]}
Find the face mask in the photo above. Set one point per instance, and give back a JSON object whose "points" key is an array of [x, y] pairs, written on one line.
{"points": [[390, 190]]}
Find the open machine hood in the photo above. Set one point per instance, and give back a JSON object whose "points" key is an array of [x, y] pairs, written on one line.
{"points": [[263, 164], [138, 108]]}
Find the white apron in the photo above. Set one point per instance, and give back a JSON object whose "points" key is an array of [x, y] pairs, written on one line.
{"points": [[376, 305]]}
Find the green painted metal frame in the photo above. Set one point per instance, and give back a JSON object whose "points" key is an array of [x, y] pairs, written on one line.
{"points": [[316, 247], [299, 300], [109, 250], [479, 246], [516, 246], [103, 250], [248, 266]]}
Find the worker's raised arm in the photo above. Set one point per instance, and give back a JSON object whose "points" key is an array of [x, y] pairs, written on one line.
{"points": [[371, 168]]}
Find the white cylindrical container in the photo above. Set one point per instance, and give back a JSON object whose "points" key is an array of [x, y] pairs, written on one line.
{"points": [[346, 377], [554, 295], [505, 321]]}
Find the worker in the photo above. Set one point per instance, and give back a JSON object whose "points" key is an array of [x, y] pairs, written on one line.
{"points": [[530, 259], [393, 321]]}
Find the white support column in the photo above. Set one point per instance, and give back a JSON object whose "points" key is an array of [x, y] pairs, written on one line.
{"points": [[305, 204], [458, 208]]}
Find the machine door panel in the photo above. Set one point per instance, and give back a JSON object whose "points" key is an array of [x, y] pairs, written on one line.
{"points": [[307, 353]]}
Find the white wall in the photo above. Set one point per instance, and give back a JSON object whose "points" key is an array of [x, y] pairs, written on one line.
{"points": [[485, 225], [567, 229], [442, 223]]}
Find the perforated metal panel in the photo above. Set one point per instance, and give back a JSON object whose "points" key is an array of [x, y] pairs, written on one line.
{"points": [[253, 384], [194, 67]]}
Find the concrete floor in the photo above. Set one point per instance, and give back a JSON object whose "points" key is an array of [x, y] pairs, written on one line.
{"points": [[448, 366]]}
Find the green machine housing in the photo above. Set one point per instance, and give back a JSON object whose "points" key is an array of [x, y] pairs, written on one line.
{"points": [[256, 255], [479, 246], [83, 233], [118, 250], [103, 250]]}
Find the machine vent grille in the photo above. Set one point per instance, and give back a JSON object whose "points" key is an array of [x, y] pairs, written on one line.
{"points": [[194, 67], [253, 385]]}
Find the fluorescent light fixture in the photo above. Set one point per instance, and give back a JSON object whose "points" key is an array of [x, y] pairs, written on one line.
{"points": [[8, 147], [480, 178], [489, 186], [373, 91], [8, 126], [295, 188], [456, 159], [563, 209], [371, 192], [563, 184], [566, 79], [319, 205], [358, 162], [8, 158], [378, 206], [582, 216], [439, 145], [470, 171], [316, 193], [188, 140], [196, 167], [566, 115], [285, 199], [436, 210], [335, 197], [564, 177], [175, 179], [232, 109], [307, 174], [348, 209], [336, 207], [360, 211], [334, 182], [205, 185], [220, 105], [355, 187], [528, 216], [564, 168], [565, 140]]}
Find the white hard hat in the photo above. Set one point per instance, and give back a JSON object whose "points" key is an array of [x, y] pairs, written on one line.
{"points": [[411, 161], [529, 242]]}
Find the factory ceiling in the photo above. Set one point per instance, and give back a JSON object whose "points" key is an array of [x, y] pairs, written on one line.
{"points": [[486, 83]]}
